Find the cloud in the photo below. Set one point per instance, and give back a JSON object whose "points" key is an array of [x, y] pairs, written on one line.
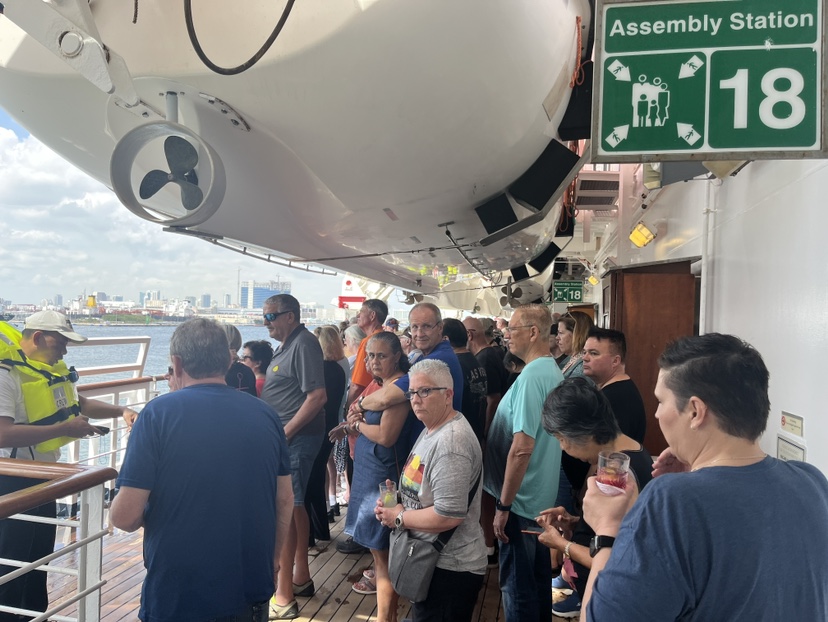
{"points": [[65, 233]]}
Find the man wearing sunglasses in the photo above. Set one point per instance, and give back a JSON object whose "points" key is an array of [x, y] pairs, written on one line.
{"points": [[295, 388], [39, 412]]}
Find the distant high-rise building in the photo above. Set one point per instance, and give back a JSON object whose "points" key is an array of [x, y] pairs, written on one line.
{"points": [[191, 300], [115, 299], [153, 294], [205, 301], [254, 293], [226, 300], [141, 298], [58, 300], [100, 296]]}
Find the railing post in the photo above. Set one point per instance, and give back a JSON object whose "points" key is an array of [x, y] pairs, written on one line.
{"points": [[91, 556]]}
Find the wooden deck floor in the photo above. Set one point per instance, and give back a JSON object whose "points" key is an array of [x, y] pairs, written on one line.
{"points": [[332, 572]]}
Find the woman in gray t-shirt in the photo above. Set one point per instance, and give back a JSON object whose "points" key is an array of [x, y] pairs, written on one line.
{"points": [[435, 486]]}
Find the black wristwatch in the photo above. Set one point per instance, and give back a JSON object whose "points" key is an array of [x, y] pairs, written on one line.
{"points": [[359, 403], [600, 542], [503, 508]]}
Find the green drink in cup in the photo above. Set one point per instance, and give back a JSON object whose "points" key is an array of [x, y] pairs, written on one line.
{"points": [[388, 494]]}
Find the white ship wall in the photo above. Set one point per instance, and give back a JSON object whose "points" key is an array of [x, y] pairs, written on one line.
{"points": [[767, 275], [769, 285]]}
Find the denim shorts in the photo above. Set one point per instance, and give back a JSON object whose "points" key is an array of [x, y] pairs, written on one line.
{"points": [[303, 450]]}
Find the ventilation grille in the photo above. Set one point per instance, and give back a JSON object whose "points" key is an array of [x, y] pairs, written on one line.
{"points": [[597, 190]]}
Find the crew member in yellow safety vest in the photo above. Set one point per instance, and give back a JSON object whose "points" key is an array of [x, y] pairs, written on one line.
{"points": [[39, 412]]}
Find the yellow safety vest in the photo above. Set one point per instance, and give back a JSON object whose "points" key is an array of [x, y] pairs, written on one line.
{"points": [[49, 393]]}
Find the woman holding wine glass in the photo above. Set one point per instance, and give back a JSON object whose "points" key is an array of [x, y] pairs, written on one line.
{"points": [[581, 418]]}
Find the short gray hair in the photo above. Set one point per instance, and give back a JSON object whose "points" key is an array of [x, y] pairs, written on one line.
{"points": [[437, 371], [202, 346], [354, 333], [286, 302], [438, 316]]}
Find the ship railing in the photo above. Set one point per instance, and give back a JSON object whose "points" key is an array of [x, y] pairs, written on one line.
{"points": [[51, 482]]}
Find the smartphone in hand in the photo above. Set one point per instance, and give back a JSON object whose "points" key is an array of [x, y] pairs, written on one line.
{"points": [[101, 429]]}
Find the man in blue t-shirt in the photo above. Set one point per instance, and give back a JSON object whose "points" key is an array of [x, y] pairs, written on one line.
{"points": [[206, 464], [740, 535]]}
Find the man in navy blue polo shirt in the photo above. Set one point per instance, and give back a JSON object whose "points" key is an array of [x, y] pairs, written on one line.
{"points": [[205, 464]]}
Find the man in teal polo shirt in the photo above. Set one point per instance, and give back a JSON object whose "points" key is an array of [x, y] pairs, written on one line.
{"points": [[521, 468]]}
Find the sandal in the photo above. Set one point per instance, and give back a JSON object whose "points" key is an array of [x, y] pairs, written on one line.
{"points": [[283, 612], [317, 549], [369, 574], [306, 590], [364, 586]]}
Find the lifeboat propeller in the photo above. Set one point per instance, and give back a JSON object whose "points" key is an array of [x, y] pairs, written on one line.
{"points": [[193, 165]]}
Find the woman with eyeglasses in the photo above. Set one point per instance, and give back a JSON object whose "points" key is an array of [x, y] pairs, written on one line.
{"points": [[257, 355], [573, 330], [381, 447], [440, 490]]}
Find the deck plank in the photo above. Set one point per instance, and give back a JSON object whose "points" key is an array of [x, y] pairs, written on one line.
{"points": [[333, 574]]}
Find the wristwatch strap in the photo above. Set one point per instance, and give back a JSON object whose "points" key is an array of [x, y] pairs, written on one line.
{"points": [[503, 508]]}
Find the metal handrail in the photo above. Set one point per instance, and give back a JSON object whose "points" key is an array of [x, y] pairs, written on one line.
{"points": [[136, 368], [63, 480]]}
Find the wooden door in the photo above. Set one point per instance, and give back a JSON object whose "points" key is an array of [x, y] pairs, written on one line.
{"points": [[652, 306]]}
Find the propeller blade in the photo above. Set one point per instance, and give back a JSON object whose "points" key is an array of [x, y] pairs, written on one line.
{"points": [[503, 301], [181, 155], [153, 182], [517, 292], [418, 297], [191, 195]]}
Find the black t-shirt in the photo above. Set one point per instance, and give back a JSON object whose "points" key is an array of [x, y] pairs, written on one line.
{"points": [[641, 468], [491, 359], [474, 392], [334, 389], [242, 378], [628, 407]]}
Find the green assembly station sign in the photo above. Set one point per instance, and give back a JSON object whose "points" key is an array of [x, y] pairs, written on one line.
{"points": [[568, 291], [739, 79]]}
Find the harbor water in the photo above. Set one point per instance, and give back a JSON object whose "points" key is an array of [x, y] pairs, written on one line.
{"points": [[158, 357]]}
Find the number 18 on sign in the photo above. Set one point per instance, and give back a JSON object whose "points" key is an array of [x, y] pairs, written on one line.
{"points": [[739, 79]]}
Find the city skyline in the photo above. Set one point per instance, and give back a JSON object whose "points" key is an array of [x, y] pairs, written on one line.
{"points": [[67, 234]]}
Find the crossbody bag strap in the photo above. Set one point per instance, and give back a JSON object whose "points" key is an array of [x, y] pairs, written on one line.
{"points": [[445, 536]]}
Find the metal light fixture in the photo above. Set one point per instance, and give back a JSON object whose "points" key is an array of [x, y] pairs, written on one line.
{"points": [[593, 280], [641, 235]]}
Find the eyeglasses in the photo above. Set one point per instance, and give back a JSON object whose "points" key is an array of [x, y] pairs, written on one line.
{"points": [[509, 329], [270, 317], [423, 328], [423, 392]]}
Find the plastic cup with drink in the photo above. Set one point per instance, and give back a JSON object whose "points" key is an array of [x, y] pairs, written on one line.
{"points": [[613, 468], [388, 494]]}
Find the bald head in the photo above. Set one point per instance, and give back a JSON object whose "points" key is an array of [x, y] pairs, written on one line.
{"points": [[477, 334]]}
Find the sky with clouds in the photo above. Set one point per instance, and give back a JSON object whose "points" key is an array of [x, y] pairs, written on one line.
{"points": [[65, 233]]}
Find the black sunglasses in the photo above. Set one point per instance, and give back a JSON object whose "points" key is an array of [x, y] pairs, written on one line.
{"points": [[269, 317]]}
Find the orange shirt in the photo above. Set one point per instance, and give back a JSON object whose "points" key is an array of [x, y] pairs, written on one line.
{"points": [[360, 375]]}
